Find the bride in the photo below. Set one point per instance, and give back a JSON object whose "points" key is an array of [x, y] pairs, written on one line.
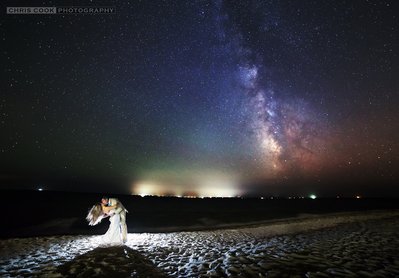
{"points": [[113, 235]]}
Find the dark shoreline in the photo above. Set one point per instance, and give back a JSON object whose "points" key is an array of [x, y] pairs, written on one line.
{"points": [[44, 213]]}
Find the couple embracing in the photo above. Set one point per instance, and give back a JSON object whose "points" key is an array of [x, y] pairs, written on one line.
{"points": [[112, 208]]}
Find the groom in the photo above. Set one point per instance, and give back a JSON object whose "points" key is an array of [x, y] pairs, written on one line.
{"points": [[120, 209]]}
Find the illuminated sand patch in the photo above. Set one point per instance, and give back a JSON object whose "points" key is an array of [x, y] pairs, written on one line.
{"points": [[353, 244]]}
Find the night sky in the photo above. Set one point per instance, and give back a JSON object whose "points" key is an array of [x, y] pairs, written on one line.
{"points": [[206, 98]]}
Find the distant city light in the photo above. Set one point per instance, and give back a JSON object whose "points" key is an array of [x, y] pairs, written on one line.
{"points": [[205, 184], [40, 189], [358, 197], [312, 196]]}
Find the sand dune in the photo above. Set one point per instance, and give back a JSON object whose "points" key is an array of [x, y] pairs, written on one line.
{"points": [[341, 245]]}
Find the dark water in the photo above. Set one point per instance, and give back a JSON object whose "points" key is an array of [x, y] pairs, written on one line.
{"points": [[34, 213]]}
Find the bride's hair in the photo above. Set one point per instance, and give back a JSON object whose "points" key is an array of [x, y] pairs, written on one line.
{"points": [[95, 215]]}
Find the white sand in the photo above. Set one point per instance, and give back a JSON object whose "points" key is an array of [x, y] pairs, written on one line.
{"points": [[346, 245]]}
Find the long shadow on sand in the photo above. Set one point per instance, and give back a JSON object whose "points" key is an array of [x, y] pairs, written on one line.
{"points": [[116, 261]]}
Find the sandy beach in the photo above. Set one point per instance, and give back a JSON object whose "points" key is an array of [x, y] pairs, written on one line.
{"points": [[335, 245]]}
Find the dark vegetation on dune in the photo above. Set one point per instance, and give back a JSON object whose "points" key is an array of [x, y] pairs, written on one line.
{"points": [[34, 213]]}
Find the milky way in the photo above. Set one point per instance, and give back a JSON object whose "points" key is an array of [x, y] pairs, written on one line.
{"points": [[287, 135]]}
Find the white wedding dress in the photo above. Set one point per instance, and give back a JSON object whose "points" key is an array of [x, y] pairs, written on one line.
{"points": [[113, 236]]}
